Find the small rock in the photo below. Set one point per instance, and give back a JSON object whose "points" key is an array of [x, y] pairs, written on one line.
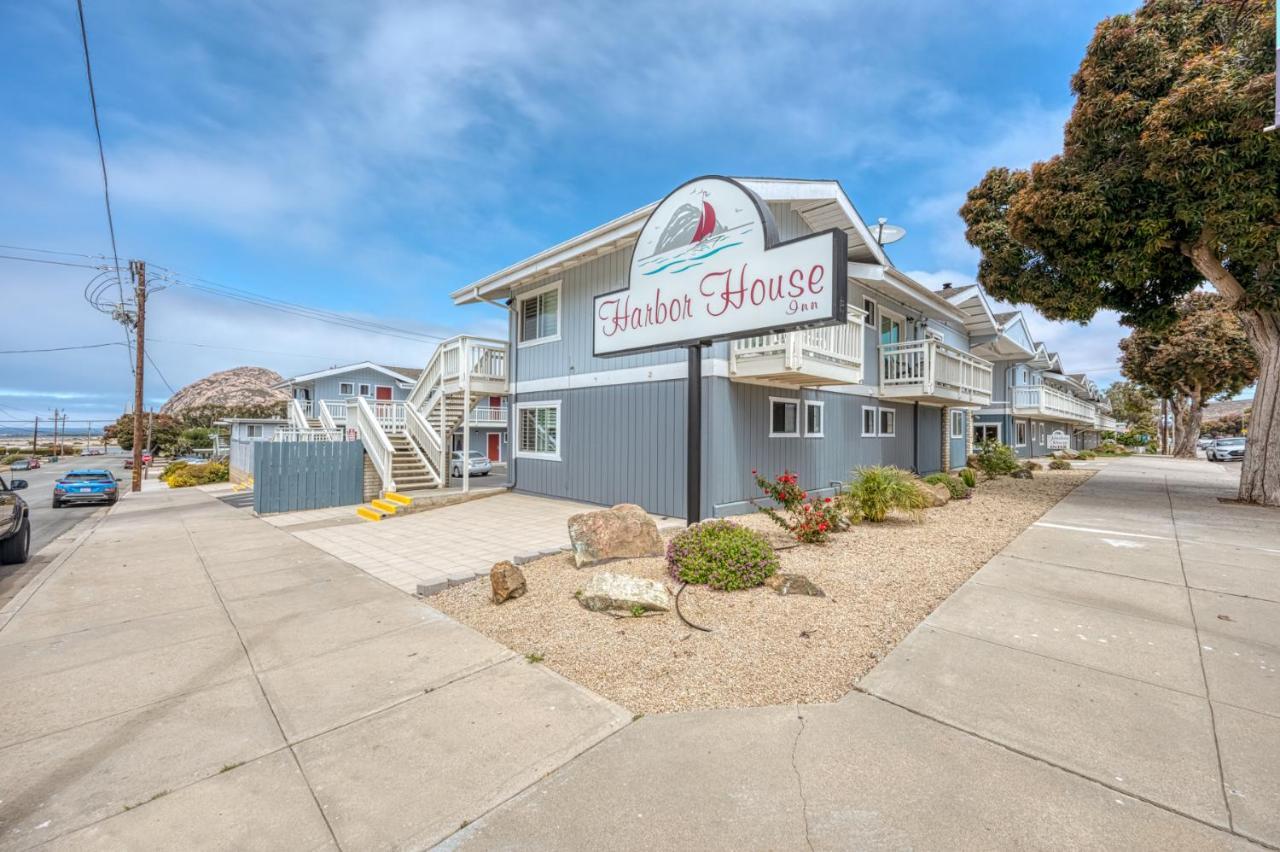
{"points": [[1021, 473], [622, 591], [794, 584], [937, 495], [507, 582], [623, 532]]}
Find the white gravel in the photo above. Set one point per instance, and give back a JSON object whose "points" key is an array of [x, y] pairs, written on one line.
{"points": [[881, 580]]}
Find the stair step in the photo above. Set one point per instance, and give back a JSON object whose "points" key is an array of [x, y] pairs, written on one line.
{"points": [[398, 498], [385, 506], [369, 513]]}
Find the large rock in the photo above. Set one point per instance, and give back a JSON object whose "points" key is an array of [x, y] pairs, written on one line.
{"points": [[507, 581], [240, 391], [1021, 473], [623, 532], [794, 584], [621, 591], [937, 495]]}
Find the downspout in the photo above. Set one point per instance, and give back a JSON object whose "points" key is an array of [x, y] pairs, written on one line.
{"points": [[511, 380]]}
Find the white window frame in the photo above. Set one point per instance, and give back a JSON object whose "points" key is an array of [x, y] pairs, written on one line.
{"points": [[893, 316], [872, 317], [978, 424], [893, 431], [366, 390], [249, 431], [785, 400], [530, 454], [1016, 436], [875, 421], [533, 294], [346, 389], [958, 432], [822, 418], [391, 388]]}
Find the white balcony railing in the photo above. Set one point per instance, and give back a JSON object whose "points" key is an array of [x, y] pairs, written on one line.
{"points": [[337, 409], [827, 355], [305, 434], [1044, 400], [490, 415], [931, 368]]}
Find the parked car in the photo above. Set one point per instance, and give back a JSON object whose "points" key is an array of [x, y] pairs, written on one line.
{"points": [[15, 523], [1204, 443], [20, 464], [1226, 449], [93, 451], [128, 460], [479, 464], [86, 486]]}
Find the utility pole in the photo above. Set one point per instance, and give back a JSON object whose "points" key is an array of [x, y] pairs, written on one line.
{"points": [[139, 270], [151, 420], [35, 435], [55, 430]]}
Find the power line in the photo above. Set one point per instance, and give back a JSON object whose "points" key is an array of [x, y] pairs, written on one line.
{"points": [[102, 156], [55, 262], [59, 348], [152, 362], [53, 251]]}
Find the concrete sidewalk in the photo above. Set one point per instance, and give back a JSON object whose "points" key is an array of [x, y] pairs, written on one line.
{"points": [[1108, 681], [190, 677]]}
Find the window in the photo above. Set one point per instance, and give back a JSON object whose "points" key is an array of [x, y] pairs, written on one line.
{"points": [[365, 390], [1020, 433], [784, 418], [983, 432], [539, 316], [1042, 433], [888, 422], [869, 416], [957, 424], [870, 308], [253, 430], [813, 419], [890, 329], [346, 389], [539, 431]]}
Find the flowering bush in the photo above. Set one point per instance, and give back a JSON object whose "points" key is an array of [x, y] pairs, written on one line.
{"points": [[810, 520], [722, 555]]}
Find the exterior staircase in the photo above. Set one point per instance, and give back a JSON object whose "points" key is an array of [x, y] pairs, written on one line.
{"points": [[407, 468]]}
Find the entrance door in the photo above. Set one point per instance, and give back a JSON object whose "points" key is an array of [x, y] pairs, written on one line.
{"points": [[495, 447]]}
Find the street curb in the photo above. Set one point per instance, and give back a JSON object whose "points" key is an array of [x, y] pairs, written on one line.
{"points": [[20, 600]]}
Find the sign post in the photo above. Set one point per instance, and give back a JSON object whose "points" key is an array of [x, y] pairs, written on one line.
{"points": [[708, 266]]}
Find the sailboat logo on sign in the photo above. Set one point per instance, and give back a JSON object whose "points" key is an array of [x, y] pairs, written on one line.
{"points": [[707, 265]]}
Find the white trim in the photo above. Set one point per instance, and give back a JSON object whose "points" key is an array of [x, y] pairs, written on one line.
{"points": [[788, 400], [893, 433], [391, 398], [983, 424], [951, 427], [349, 392], [533, 294], [1016, 424], [875, 421], [515, 445], [337, 371], [366, 390], [871, 318], [822, 418]]}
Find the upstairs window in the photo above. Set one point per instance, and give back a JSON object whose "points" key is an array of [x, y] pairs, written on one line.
{"points": [[346, 389], [869, 307], [539, 316]]}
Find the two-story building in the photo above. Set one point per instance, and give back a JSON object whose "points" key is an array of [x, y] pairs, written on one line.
{"points": [[895, 384]]}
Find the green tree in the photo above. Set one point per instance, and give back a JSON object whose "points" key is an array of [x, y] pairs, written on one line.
{"points": [[1166, 180], [1132, 405], [1203, 354], [164, 431]]}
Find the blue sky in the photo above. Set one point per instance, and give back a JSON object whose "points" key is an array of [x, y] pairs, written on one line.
{"points": [[370, 157]]}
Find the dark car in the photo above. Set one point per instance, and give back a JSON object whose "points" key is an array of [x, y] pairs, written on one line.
{"points": [[128, 460], [1226, 449], [15, 524], [86, 486], [25, 464]]}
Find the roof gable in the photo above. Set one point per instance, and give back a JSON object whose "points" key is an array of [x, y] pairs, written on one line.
{"points": [[349, 368]]}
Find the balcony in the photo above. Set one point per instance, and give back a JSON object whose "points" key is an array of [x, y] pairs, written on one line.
{"points": [[831, 355], [931, 371], [489, 415], [1043, 401]]}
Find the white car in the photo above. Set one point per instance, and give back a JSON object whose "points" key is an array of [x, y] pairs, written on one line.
{"points": [[479, 465]]}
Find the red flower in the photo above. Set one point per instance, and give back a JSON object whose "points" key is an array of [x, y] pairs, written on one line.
{"points": [[826, 500]]}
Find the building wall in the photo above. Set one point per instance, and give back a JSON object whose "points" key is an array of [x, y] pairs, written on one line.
{"points": [[240, 449], [327, 387]]}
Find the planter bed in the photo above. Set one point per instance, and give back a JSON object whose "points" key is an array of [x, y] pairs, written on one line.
{"points": [[881, 580]]}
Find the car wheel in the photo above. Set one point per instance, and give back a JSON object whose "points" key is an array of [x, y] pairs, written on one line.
{"points": [[14, 549], [111, 501], [57, 504]]}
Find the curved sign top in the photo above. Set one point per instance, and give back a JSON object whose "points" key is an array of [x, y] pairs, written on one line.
{"points": [[708, 266]]}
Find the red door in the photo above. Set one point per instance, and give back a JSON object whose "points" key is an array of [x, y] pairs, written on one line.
{"points": [[494, 446], [382, 392]]}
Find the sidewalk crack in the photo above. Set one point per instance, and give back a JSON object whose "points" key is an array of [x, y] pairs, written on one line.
{"points": [[804, 804]]}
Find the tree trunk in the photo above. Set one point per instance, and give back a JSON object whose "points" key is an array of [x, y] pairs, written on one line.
{"points": [[1188, 413], [1260, 473]]}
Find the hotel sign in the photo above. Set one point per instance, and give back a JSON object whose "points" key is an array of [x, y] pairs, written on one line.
{"points": [[708, 266]]}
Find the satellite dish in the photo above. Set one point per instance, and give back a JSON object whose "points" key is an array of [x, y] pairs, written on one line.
{"points": [[886, 233]]}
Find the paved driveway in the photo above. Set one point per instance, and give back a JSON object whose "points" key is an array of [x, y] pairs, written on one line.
{"points": [[451, 544]]}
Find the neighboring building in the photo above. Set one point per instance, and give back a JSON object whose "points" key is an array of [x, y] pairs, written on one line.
{"points": [[374, 382], [245, 432], [894, 385]]}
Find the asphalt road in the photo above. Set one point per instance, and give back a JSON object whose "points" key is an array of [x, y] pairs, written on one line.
{"points": [[47, 523]]}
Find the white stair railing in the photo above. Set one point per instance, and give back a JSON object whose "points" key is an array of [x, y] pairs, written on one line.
{"points": [[321, 409], [297, 417], [376, 443], [424, 440]]}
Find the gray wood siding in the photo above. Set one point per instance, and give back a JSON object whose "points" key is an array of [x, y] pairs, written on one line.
{"points": [[929, 429], [327, 387], [290, 475]]}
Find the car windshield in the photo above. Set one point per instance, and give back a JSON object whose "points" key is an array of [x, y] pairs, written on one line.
{"points": [[1232, 442], [475, 456], [87, 475]]}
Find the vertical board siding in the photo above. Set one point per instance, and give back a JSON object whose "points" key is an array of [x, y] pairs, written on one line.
{"points": [[290, 476], [327, 387], [929, 430]]}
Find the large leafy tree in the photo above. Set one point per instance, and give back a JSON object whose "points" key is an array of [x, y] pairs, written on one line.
{"points": [[1132, 405], [1166, 180], [1201, 355]]}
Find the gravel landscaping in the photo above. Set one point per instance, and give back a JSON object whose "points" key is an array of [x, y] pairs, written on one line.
{"points": [[881, 580]]}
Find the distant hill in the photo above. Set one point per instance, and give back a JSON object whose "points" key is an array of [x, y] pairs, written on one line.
{"points": [[234, 389], [1218, 410]]}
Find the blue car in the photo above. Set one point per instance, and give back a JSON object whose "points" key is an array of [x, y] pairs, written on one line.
{"points": [[86, 486]]}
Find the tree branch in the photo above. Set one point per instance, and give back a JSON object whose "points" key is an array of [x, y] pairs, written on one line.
{"points": [[1204, 257]]}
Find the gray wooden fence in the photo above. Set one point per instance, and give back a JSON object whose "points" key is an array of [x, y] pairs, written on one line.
{"points": [[292, 475]]}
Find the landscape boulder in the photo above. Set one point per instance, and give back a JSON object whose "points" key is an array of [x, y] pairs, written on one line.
{"points": [[623, 532], [507, 581], [1021, 473], [622, 591], [937, 495], [794, 584]]}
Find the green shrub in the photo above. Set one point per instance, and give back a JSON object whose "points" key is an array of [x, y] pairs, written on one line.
{"points": [[875, 491], [12, 457], [197, 474], [171, 468], [969, 477], [954, 484], [1087, 454], [722, 555], [810, 519], [995, 459], [1059, 464]]}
